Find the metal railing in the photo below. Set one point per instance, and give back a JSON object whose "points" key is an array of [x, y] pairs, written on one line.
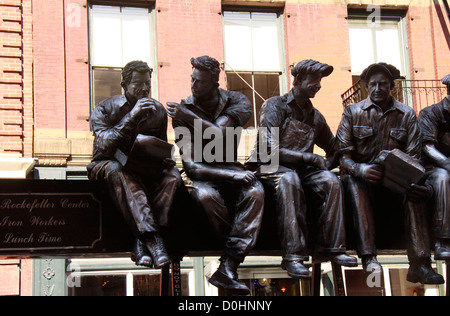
{"points": [[417, 94]]}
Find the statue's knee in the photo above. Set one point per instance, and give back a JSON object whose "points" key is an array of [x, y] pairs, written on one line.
{"points": [[290, 179], [113, 169]]}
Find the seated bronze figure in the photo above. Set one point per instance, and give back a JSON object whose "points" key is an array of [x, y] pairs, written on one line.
{"points": [[130, 132], [302, 181], [435, 127], [211, 110], [368, 131]]}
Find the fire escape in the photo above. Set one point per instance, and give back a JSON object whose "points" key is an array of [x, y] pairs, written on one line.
{"points": [[417, 94]]}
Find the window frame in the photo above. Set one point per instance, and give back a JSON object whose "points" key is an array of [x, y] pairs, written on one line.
{"points": [[153, 44], [398, 16], [282, 73]]}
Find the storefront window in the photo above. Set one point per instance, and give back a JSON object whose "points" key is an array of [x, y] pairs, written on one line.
{"points": [[356, 284], [132, 283], [101, 285], [392, 283], [274, 287]]}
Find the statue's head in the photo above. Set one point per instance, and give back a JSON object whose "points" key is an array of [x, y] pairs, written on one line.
{"points": [[136, 80], [446, 81], [380, 80], [205, 75], [308, 75]]}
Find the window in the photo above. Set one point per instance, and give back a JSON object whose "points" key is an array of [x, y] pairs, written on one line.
{"points": [[121, 283], [382, 39], [391, 283], [118, 35], [376, 41], [253, 56]]}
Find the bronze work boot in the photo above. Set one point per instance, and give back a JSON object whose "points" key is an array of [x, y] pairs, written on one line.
{"points": [[442, 251], [371, 264], [420, 271], [140, 255], [295, 269], [341, 259], [155, 246], [226, 277]]}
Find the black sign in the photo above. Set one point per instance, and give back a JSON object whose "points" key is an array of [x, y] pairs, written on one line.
{"points": [[45, 221]]}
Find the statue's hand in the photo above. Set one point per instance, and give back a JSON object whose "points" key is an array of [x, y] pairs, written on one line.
{"points": [[176, 110], [245, 177], [143, 107], [314, 160], [370, 173], [418, 193], [172, 109]]}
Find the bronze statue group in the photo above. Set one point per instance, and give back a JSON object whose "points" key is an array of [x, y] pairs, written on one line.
{"points": [[131, 135]]}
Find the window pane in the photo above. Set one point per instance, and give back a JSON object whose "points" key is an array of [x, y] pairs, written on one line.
{"points": [[251, 41], [266, 53], [106, 37], [149, 285], [273, 287], [370, 43], [266, 85], [238, 40], [100, 285], [106, 83], [361, 47], [388, 44], [136, 35], [401, 287], [234, 83], [356, 284], [146, 285]]}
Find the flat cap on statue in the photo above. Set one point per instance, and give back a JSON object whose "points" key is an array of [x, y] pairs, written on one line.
{"points": [[446, 80], [309, 66], [391, 71]]}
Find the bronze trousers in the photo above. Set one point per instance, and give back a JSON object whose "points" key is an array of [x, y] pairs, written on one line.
{"points": [[439, 206], [317, 193], [370, 202], [238, 225], [144, 202]]}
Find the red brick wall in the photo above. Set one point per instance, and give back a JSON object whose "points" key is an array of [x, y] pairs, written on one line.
{"points": [[49, 61], [77, 66], [421, 42], [428, 46], [61, 74], [320, 32], [16, 277], [16, 112], [185, 29]]}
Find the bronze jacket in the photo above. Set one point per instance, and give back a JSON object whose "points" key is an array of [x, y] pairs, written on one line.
{"points": [[283, 116], [114, 128], [366, 130], [435, 125]]}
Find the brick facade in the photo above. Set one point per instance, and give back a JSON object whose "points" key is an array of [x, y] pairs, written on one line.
{"points": [[312, 29], [16, 85]]}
